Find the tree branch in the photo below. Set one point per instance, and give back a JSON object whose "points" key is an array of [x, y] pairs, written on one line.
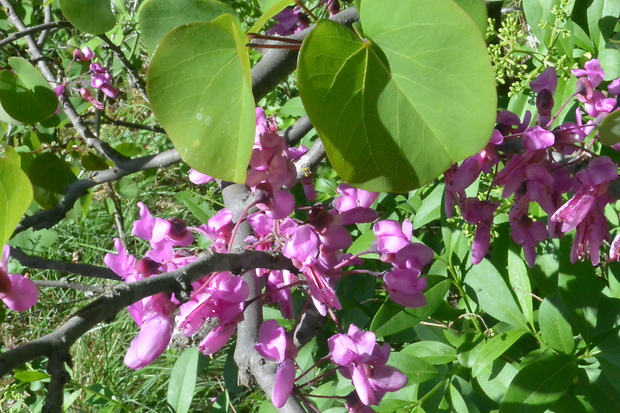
{"points": [[33, 29], [277, 64], [40, 263], [123, 295], [48, 218]]}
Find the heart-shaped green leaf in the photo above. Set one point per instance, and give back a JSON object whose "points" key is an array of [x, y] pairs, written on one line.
{"points": [[16, 194], [158, 17], [24, 94], [200, 89], [90, 16], [395, 110]]}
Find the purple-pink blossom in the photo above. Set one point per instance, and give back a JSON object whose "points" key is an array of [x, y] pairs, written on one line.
{"points": [[18, 292], [275, 345], [363, 361]]}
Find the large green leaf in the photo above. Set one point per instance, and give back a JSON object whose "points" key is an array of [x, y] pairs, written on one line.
{"points": [[477, 11], [158, 17], [15, 194], [200, 90], [90, 16], [396, 109], [24, 94], [493, 295], [602, 18], [539, 384]]}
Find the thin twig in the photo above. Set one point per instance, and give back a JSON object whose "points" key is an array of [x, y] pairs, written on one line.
{"points": [[40, 263], [50, 217], [32, 30]]}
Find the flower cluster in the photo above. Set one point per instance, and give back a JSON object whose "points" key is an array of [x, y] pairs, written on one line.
{"points": [[363, 361], [100, 79], [403, 282], [541, 164], [316, 246]]}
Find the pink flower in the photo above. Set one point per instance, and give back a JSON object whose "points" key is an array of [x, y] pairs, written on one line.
{"points": [[18, 292], [121, 263], [86, 95], [363, 361], [405, 287], [547, 80], [536, 138], [392, 236], [154, 336], [592, 71], [158, 231], [199, 178], [85, 54], [275, 345], [222, 297], [594, 182], [480, 213]]}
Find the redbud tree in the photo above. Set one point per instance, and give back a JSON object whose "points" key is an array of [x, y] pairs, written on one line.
{"points": [[394, 205]]}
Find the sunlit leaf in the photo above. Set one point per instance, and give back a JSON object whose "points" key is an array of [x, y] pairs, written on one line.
{"points": [[493, 294], [183, 380], [16, 195], [609, 131], [555, 328], [200, 90], [395, 110]]}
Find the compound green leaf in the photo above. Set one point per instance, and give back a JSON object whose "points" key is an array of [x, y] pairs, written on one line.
{"points": [[24, 94], [493, 295], [609, 131], [15, 194], [200, 90], [158, 17], [90, 16], [395, 110], [539, 384]]}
